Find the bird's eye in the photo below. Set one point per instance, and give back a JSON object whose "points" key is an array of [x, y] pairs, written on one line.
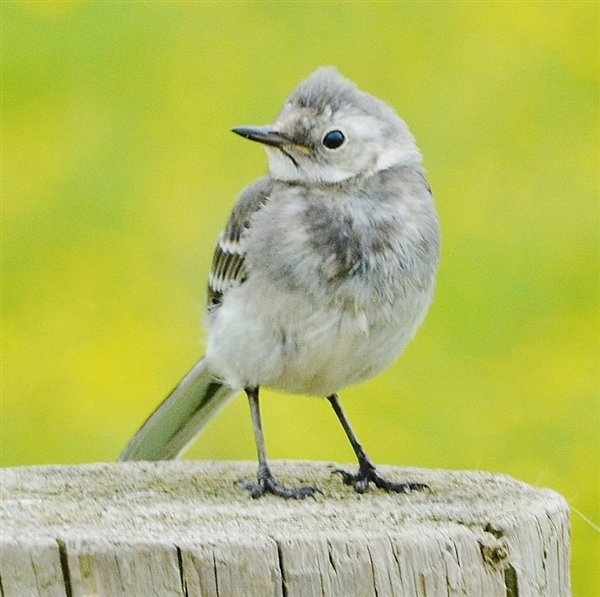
{"points": [[334, 139]]}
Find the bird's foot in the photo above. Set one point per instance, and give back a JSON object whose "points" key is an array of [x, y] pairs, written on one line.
{"points": [[266, 483], [368, 473]]}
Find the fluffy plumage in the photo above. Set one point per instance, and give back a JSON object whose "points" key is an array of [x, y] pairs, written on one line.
{"points": [[322, 274]]}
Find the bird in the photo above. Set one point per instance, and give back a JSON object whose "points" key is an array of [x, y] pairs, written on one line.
{"points": [[320, 278]]}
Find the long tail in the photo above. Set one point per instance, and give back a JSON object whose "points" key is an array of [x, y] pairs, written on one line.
{"points": [[184, 413]]}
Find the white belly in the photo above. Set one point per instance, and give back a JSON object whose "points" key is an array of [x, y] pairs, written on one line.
{"points": [[282, 341]]}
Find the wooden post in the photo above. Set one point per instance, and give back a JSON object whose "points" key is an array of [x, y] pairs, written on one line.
{"points": [[189, 529]]}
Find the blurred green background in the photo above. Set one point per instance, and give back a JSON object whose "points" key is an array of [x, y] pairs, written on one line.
{"points": [[118, 171]]}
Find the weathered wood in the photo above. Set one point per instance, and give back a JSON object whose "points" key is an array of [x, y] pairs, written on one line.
{"points": [[188, 529]]}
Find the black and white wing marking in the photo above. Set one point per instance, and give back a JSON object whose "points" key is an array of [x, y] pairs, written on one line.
{"points": [[227, 267]]}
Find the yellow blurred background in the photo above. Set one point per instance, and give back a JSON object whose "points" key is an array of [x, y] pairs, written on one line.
{"points": [[118, 171]]}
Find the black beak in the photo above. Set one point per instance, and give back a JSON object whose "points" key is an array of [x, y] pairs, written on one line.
{"points": [[262, 134]]}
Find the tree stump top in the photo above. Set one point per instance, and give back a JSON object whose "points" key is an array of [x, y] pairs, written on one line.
{"points": [[508, 535]]}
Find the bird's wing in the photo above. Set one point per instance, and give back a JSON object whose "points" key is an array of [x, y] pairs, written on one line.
{"points": [[228, 268], [199, 396], [228, 265]]}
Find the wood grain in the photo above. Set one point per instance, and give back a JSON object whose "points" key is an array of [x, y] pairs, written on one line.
{"points": [[189, 529]]}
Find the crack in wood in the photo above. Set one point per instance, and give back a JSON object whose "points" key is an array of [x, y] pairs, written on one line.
{"points": [[284, 591], [64, 566], [375, 591], [182, 580]]}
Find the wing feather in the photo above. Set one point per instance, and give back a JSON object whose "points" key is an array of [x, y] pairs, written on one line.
{"points": [[229, 267]]}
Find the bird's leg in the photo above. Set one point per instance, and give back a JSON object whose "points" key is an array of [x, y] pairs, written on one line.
{"points": [[265, 481], [366, 469]]}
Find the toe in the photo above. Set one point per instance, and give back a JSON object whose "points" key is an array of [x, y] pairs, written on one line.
{"points": [[268, 484]]}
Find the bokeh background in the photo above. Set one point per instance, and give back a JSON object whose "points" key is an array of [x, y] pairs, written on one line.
{"points": [[118, 171]]}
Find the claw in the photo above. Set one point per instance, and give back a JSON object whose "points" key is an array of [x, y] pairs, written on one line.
{"points": [[266, 483], [367, 474]]}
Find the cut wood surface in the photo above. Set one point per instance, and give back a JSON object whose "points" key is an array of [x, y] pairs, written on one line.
{"points": [[189, 529]]}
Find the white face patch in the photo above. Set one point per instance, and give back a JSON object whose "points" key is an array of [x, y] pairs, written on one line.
{"points": [[281, 166], [370, 146]]}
